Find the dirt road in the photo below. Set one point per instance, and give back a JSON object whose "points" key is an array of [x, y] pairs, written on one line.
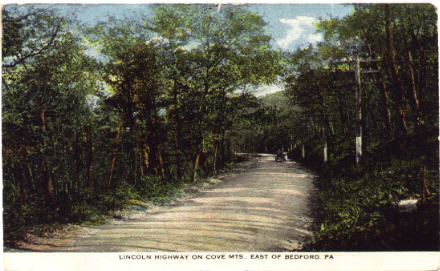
{"points": [[261, 206]]}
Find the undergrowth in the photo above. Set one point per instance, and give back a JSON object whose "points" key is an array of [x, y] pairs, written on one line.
{"points": [[358, 205], [32, 218], [41, 217]]}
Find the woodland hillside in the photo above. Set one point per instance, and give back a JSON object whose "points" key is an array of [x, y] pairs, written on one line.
{"points": [[98, 117]]}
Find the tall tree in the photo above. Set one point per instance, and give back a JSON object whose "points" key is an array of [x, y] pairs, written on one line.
{"points": [[397, 82]]}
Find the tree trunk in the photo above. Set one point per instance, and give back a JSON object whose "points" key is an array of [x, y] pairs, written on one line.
{"points": [[422, 65], [43, 118], [178, 151], [28, 172], [387, 111], [324, 137], [342, 114], [78, 166], [133, 165], [46, 172], [225, 145], [214, 167], [141, 158], [48, 177], [145, 156], [160, 165], [19, 175], [89, 156], [303, 151], [423, 186], [397, 83], [384, 95], [415, 99], [114, 153], [196, 166], [30, 177], [422, 74], [177, 128]]}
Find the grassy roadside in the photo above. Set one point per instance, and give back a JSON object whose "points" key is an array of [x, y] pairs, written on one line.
{"points": [[358, 212], [124, 202], [358, 208], [94, 212]]}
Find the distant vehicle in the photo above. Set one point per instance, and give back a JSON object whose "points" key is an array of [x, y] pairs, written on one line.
{"points": [[279, 157]]}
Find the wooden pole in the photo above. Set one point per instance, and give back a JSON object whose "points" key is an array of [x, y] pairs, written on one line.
{"points": [[325, 148], [357, 73], [358, 97]]}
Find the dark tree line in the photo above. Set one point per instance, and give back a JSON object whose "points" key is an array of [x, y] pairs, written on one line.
{"points": [[399, 99], [399, 122], [151, 109], [98, 116]]}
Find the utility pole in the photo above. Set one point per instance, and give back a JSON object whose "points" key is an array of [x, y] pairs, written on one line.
{"points": [[358, 109], [358, 97], [325, 149]]}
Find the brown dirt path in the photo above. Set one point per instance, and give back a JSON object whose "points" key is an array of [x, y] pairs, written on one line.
{"points": [[262, 206]]}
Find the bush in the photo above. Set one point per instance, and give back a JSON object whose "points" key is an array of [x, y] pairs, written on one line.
{"points": [[357, 208]]}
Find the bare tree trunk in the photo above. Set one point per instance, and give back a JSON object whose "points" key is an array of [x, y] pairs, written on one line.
{"points": [[161, 167], [387, 111], [423, 186], [141, 158], [422, 65], [89, 156], [342, 116], [46, 172], [18, 172], [78, 166], [384, 95], [145, 150], [215, 156], [177, 128], [196, 166], [28, 172], [422, 74], [43, 118], [178, 152], [133, 165], [303, 151], [397, 82], [30, 177], [414, 96], [325, 147], [114, 153], [48, 177]]}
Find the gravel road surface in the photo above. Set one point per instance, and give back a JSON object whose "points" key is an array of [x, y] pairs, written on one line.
{"points": [[262, 205]]}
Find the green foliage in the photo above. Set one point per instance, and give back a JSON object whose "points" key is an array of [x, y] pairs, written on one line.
{"points": [[162, 103], [87, 133], [357, 209], [358, 201], [264, 125]]}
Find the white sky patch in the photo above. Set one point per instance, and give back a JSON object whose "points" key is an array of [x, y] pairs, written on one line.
{"points": [[263, 90], [298, 27], [315, 38], [158, 39], [191, 46]]}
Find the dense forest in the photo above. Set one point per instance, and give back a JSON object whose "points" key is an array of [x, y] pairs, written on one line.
{"points": [[98, 117], [374, 77]]}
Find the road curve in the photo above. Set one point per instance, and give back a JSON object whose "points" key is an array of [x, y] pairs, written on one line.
{"points": [[262, 206]]}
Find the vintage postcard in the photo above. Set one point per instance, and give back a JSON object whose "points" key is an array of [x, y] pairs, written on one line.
{"points": [[220, 135]]}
